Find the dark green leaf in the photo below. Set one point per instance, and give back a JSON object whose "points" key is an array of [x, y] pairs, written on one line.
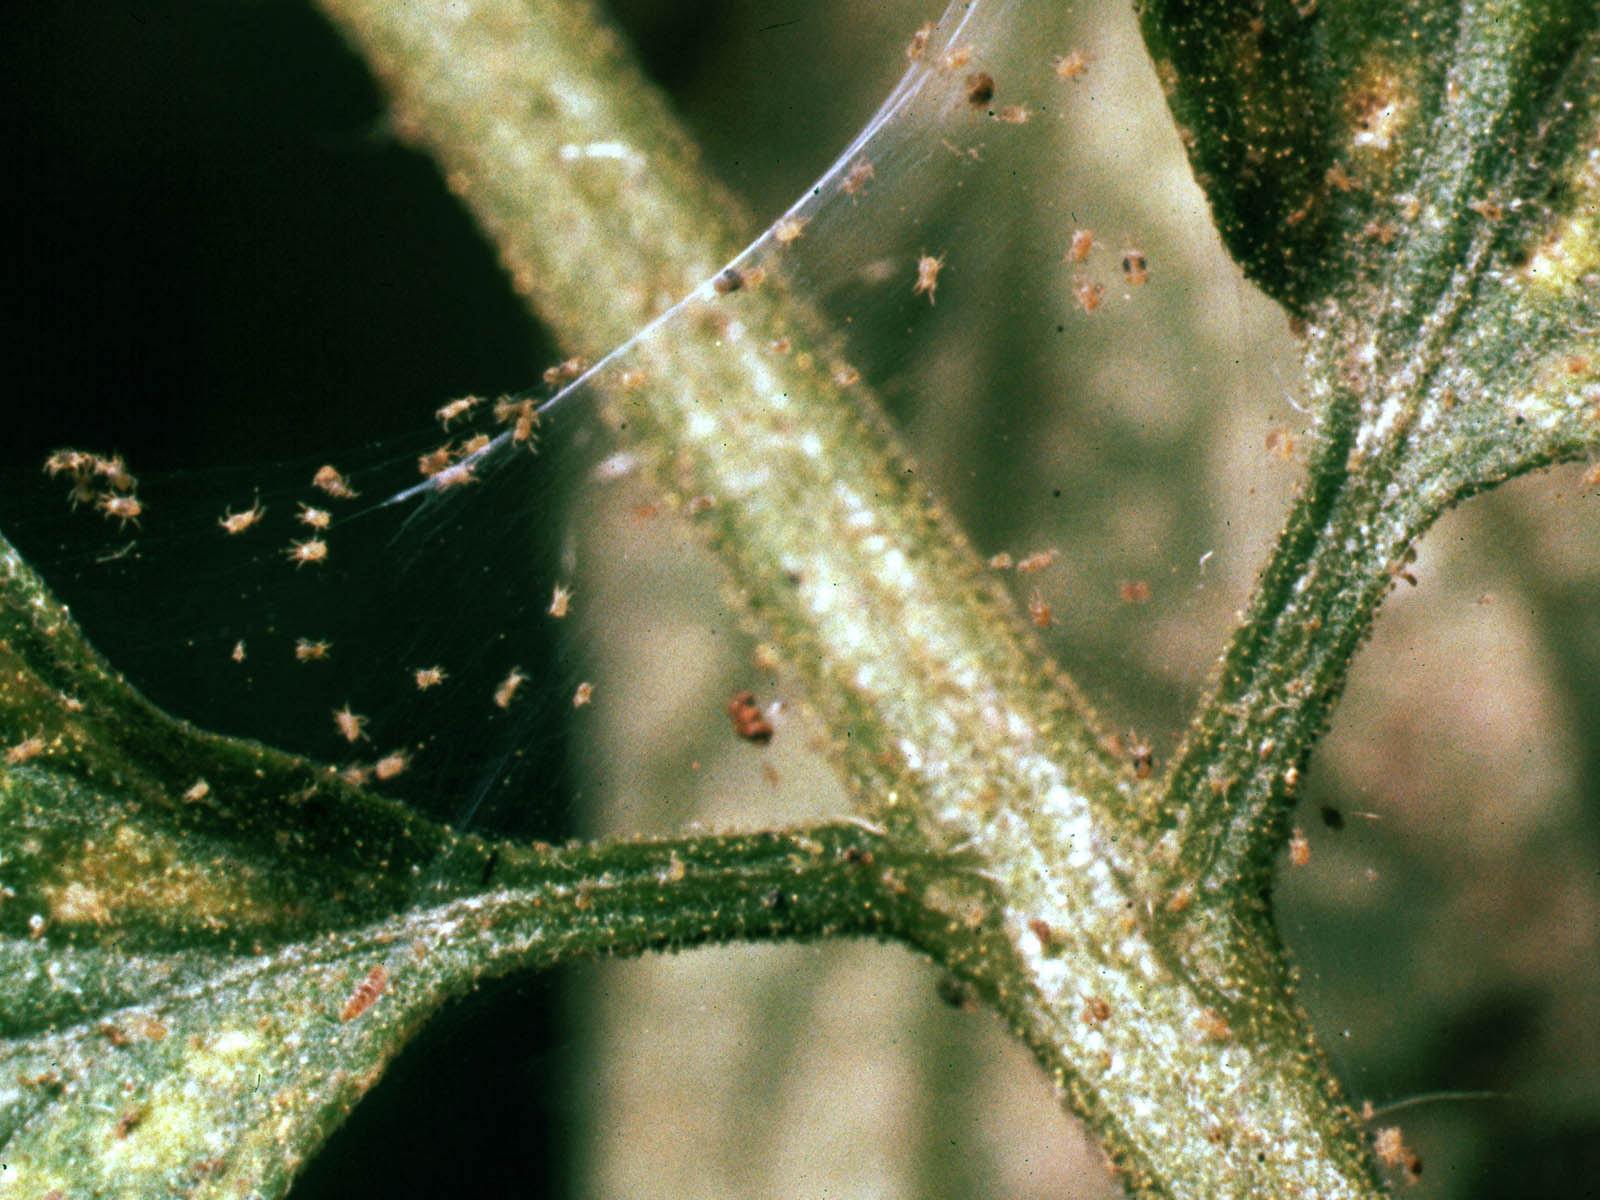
{"points": [[197, 984]]}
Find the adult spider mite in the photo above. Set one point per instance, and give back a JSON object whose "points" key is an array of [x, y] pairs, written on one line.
{"points": [[436, 460], [1082, 243], [329, 480], [314, 518], [456, 408], [1141, 755], [857, 176], [308, 651], [789, 229], [563, 373], [237, 522], [919, 41], [124, 508], [454, 476], [559, 601], [928, 268], [391, 765], [312, 550], [77, 461], [1074, 64], [507, 690], [1299, 848], [1039, 610], [583, 694], [1134, 267], [352, 726], [427, 677]]}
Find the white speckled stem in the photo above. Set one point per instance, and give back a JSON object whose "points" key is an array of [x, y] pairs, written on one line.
{"points": [[948, 719]]}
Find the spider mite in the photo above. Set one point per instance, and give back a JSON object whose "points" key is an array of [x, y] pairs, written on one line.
{"points": [[1299, 848], [1141, 755], [583, 694], [366, 993], [116, 473], [1074, 64], [789, 229], [1088, 295], [1390, 1147], [233, 522], [728, 280], [928, 268], [954, 60], [1134, 267], [313, 518], [312, 550], [748, 722], [456, 408], [123, 508], [1082, 243], [427, 677], [1037, 561], [919, 41], [329, 480], [308, 651], [436, 460], [351, 726], [76, 461], [26, 750], [391, 765], [563, 373], [507, 689], [560, 599], [980, 89], [857, 176], [1039, 610], [454, 476]]}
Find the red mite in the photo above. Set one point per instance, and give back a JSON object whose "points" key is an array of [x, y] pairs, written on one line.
{"points": [[748, 722], [366, 995]]}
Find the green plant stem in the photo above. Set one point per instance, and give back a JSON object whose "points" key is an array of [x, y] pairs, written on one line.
{"points": [[948, 719]]}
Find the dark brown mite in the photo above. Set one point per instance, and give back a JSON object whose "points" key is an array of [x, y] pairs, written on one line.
{"points": [[748, 722], [980, 88]]}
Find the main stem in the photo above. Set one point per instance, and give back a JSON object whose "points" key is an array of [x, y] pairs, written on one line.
{"points": [[949, 720]]}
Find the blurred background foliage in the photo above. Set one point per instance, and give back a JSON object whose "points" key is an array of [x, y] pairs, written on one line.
{"points": [[221, 256]]}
